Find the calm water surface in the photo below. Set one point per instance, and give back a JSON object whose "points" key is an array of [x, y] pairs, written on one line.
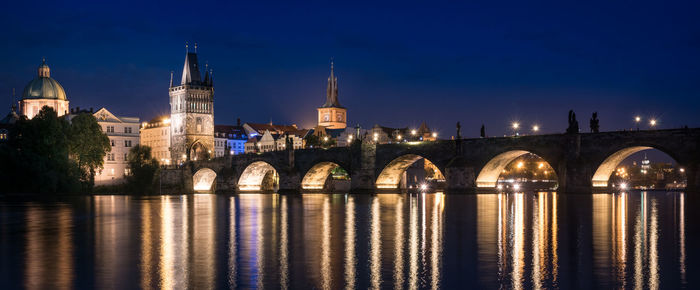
{"points": [[334, 241]]}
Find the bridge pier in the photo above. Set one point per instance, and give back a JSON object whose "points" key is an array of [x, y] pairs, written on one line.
{"points": [[460, 177]]}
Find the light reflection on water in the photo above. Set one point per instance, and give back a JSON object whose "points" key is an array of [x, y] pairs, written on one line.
{"points": [[522, 240]]}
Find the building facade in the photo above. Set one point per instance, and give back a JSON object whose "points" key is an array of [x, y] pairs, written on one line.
{"points": [[123, 133], [43, 91], [332, 115], [156, 134], [231, 138], [192, 113]]}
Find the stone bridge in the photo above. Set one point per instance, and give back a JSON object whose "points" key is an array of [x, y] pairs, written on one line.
{"points": [[583, 162]]}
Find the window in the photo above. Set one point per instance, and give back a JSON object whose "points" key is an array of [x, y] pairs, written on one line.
{"points": [[110, 156], [127, 143], [339, 117], [112, 141], [326, 117], [127, 130], [110, 129], [126, 156], [199, 125]]}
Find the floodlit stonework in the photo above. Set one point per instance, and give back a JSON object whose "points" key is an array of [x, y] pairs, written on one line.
{"points": [[156, 134], [332, 115], [192, 113], [123, 133]]}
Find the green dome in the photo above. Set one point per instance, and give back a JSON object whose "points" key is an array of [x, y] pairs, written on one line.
{"points": [[44, 87]]}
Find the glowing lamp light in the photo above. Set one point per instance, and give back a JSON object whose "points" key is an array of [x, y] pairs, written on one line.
{"points": [[184, 156], [423, 187], [535, 128], [652, 122], [637, 119], [166, 121], [398, 137], [516, 125], [413, 132], [325, 139], [500, 186], [682, 169], [516, 186], [623, 185], [434, 134], [520, 164]]}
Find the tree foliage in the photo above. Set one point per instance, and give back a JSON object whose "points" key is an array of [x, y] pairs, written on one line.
{"points": [[87, 146], [35, 159], [143, 168]]}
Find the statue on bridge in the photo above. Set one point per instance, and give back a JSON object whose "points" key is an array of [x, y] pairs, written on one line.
{"points": [[595, 127], [459, 131], [573, 123], [483, 131]]}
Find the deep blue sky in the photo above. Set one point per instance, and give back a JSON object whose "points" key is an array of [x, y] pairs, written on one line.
{"points": [[397, 63]]}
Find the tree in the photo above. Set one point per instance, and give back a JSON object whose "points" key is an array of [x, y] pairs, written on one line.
{"points": [[35, 160], [143, 169], [87, 146]]}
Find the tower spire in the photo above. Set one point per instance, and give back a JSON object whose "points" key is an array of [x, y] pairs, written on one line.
{"points": [[332, 89], [171, 79], [190, 71]]}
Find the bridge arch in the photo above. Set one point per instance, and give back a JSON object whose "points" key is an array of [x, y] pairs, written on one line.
{"points": [[316, 177], [203, 179], [489, 174], [391, 174], [607, 167], [258, 176]]}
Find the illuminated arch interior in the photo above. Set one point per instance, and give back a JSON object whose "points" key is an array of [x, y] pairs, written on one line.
{"points": [[391, 175], [489, 174], [605, 170], [258, 176], [203, 179], [316, 177]]}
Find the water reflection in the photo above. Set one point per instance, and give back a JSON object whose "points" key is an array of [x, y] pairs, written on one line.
{"points": [[514, 240]]}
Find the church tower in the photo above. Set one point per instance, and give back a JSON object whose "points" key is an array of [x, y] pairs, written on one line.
{"points": [[192, 112], [332, 115]]}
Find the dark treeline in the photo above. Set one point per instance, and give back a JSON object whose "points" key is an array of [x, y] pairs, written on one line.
{"points": [[49, 154]]}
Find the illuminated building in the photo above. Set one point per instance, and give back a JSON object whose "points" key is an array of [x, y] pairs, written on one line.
{"points": [[332, 115], [192, 112], [156, 134], [231, 137], [43, 91], [123, 133]]}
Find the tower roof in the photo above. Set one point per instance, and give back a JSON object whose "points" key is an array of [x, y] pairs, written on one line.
{"points": [[190, 72], [332, 91]]}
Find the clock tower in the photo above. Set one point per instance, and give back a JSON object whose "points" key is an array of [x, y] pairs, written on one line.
{"points": [[332, 115]]}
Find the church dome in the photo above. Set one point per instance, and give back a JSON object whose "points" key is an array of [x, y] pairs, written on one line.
{"points": [[43, 86]]}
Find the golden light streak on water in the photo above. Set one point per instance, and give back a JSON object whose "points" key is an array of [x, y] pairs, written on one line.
{"points": [[204, 237], [375, 245], [487, 217], [502, 243], [413, 244], [537, 247], [653, 248], [146, 246], [167, 253], [284, 244], [555, 236], [518, 254], [682, 237], [638, 240], [620, 236], [232, 245], [259, 243], [398, 245], [326, 244], [436, 241], [601, 213], [350, 260]]}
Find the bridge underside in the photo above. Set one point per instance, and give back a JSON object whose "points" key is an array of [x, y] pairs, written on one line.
{"points": [[606, 169], [258, 176], [317, 176]]}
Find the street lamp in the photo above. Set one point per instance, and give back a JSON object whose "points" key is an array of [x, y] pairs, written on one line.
{"points": [[535, 128], [515, 126], [637, 119], [652, 123], [434, 134], [398, 137], [413, 132]]}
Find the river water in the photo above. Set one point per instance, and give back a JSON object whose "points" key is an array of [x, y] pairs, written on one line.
{"points": [[334, 241]]}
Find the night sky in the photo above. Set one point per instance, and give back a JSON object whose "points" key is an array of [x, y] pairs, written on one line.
{"points": [[397, 63]]}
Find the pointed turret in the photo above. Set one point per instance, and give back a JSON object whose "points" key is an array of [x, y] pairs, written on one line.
{"points": [[190, 72], [171, 79], [332, 91], [206, 74]]}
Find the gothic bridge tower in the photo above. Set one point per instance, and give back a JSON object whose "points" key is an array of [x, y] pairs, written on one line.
{"points": [[332, 115], [192, 112]]}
